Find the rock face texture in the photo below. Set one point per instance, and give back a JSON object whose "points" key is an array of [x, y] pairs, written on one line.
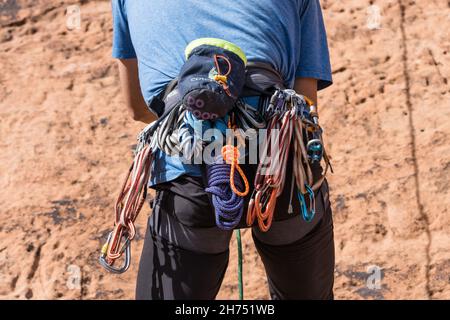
{"points": [[66, 142]]}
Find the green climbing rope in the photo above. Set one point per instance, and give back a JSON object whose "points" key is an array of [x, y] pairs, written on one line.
{"points": [[239, 245]]}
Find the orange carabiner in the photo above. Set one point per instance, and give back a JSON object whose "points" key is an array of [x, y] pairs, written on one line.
{"points": [[265, 217]]}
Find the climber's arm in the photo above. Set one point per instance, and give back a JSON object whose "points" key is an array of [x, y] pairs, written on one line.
{"points": [[131, 90], [307, 87]]}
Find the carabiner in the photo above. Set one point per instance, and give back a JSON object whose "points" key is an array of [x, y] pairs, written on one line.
{"points": [[272, 102], [265, 198], [109, 266], [307, 215]]}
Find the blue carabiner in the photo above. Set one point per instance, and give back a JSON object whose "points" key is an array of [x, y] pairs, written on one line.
{"points": [[307, 215]]}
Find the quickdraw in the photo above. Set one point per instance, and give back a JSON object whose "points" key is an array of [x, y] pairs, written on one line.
{"points": [[270, 175], [291, 118], [128, 206]]}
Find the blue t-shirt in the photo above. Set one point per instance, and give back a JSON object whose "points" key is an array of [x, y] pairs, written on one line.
{"points": [[288, 34]]}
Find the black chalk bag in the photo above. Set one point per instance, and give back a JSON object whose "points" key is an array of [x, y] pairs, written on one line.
{"points": [[212, 78]]}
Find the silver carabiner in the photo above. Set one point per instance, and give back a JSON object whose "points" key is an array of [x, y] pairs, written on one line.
{"points": [[126, 249]]}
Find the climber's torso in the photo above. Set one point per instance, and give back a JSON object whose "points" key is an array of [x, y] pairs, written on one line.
{"points": [[266, 30]]}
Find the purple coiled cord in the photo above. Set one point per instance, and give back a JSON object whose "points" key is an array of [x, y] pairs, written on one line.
{"points": [[228, 205]]}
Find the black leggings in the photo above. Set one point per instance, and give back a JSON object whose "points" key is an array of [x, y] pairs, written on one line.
{"points": [[185, 259]]}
